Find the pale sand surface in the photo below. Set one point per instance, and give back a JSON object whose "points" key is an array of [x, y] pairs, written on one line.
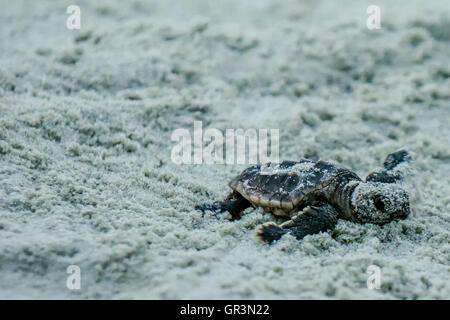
{"points": [[86, 116]]}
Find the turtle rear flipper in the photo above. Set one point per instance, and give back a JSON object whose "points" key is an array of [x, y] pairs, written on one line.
{"points": [[313, 219], [234, 204]]}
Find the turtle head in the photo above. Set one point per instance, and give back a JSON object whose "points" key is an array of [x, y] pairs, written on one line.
{"points": [[379, 203]]}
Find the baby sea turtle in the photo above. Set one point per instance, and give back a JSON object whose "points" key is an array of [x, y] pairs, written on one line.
{"points": [[314, 194]]}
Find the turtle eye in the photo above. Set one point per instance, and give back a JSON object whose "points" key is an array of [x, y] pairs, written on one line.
{"points": [[379, 204]]}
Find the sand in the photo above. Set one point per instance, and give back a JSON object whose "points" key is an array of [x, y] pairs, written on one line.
{"points": [[86, 116]]}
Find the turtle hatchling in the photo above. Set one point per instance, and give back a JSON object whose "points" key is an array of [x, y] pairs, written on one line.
{"points": [[313, 195]]}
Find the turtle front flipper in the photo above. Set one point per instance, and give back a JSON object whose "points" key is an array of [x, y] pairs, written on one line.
{"points": [[234, 204], [313, 219], [389, 174], [383, 177], [395, 158], [269, 232]]}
